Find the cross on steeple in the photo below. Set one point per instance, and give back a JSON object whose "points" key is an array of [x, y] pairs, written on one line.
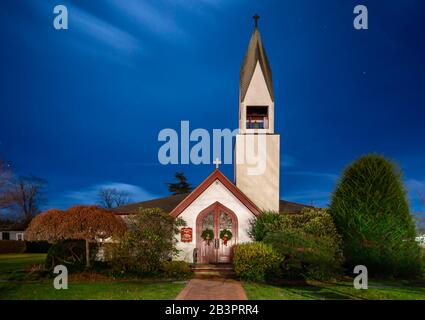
{"points": [[217, 162], [256, 17]]}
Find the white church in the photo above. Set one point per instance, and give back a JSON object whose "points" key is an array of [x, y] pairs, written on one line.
{"points": [[218, 211]]}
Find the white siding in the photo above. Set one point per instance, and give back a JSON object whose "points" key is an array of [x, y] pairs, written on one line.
{"points": [[215, 192]]}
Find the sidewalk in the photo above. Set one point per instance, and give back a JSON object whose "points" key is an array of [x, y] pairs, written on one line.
{"points": [[212, 289]]}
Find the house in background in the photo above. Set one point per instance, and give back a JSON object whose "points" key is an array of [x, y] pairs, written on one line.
{"points": [[12, 235]]}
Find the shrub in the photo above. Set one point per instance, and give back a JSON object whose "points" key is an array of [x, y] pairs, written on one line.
{"points": [[255, 261], [37, 246], [266, 222], [10, 246], [176, 269], [372, 214], [306, 256], [149, 242], [309, 242], [70, 253], [313, 221]]}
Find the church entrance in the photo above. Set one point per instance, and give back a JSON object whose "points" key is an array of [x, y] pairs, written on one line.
{"points": [[217, 234]]}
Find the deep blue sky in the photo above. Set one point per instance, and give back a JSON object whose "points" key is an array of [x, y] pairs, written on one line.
{"points": [[82, 108]]}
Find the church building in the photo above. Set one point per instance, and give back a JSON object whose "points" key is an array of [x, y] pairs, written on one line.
{"points": [[218, 211]]}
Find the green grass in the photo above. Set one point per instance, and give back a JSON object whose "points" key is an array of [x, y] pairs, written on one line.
{"points": [[12, 266], [115, 290], [378, 290]]}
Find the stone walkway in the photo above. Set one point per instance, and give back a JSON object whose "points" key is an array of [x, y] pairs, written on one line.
{"points": [[212, 289]]}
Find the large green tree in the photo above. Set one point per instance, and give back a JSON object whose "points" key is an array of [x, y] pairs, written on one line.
{"points": [[371, 212]]}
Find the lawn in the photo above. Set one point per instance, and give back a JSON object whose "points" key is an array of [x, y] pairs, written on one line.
{"points": [[13, 266], [114, 290], [378, 290]]}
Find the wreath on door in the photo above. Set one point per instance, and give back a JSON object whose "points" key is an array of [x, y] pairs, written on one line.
{"points": [[226, 235], [207, 235]]}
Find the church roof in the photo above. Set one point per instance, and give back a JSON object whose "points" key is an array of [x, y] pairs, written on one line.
{"points": [[177, 203], [166, 203], [254, 53]]}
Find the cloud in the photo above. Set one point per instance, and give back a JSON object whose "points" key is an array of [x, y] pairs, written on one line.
{"points": [[87, 33], [102, 31], [155, 20], [89, 195], [415, 185]]}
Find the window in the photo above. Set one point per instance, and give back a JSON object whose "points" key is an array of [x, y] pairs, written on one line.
{"points": [[257, 117], [6, 235], [19, 236]]}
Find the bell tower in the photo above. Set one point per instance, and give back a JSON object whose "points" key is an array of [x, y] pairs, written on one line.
{"points": [[257, 148]]}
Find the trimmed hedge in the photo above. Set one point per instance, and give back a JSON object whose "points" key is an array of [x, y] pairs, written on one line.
{"points": [[12, 246], [37, 246], [255, 261]]}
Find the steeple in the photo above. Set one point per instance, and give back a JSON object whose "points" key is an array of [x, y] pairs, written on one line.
{"points": [[257, 145], [255, 53]]}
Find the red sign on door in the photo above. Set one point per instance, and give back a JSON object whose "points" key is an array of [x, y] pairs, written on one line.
{"points": [[186, 235]]}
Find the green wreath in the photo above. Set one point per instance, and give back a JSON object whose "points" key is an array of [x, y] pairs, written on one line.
{"points": [[226, 233], [207, 235]]}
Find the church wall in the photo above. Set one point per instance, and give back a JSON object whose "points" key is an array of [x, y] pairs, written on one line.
{"points": [[215, 192], [262, 189]]}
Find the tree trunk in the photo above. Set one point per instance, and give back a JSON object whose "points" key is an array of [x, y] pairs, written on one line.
{"points": [[87, 254]]}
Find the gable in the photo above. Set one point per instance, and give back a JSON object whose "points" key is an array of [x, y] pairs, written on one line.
{"points": [[226, 187]]}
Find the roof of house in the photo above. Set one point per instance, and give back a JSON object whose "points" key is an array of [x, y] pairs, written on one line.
{"points": [[254, 53], [175, 204], [166, 203]]}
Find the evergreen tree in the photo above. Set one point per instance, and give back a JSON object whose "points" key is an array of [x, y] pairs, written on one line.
{"points": [[181, 186], [371, 212]]}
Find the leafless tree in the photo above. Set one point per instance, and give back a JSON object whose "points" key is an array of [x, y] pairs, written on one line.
{"points": [[27, 194], [112, 197]]}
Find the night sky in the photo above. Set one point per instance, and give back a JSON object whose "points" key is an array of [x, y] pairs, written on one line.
{"points": [[83, 107]]}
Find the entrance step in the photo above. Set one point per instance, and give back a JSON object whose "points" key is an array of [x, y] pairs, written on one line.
{"points": [[213, 270]]}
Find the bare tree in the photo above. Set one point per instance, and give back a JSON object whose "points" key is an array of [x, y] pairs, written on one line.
{"points": [[27, 194], [112, 197]]}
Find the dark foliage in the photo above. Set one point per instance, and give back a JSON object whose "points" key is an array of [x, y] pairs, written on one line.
{"points": [[181, 186], [70, 253]]}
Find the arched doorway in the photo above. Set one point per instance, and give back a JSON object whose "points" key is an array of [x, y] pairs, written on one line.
{"points": [[216, 218]]}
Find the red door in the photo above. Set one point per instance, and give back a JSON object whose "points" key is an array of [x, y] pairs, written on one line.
{"points": [[216, 220]]}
